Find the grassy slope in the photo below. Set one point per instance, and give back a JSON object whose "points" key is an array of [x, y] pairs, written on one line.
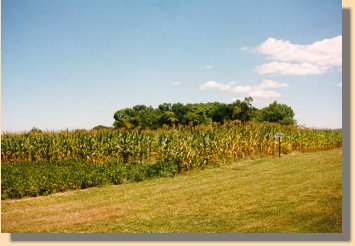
{"points": [[297, 193]]}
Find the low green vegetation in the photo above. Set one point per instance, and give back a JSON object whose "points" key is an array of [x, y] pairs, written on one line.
{"points": [[41, 163], [35, 179], [297, 193]]}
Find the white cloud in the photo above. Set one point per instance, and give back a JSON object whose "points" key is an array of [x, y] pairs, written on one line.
{"points": [[210, 85], [215, 85], [285, 68], [177, 83], [296, 59], [271, 84], [264, 94], [242, 89], [340, 84], [327, 52], [261, 90]]}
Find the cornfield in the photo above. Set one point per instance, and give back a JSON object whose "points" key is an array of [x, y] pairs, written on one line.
{"points": [[189, 147], [38, 163]]}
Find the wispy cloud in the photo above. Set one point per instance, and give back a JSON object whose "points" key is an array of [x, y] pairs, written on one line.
{"points": [[251, 50], [241, 89], [262, 90], [215, 85], [296, 59], [286, 68], [176, 83], [271, 84], [340, 84], [208, 66], [265, 94]]}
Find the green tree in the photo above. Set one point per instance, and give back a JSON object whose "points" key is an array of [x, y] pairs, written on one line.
{"points": [[101, 127], [143, 117], [243, 110], [35, 130], [165, 107], [168, 118], [180, 111], [221, 112], [147, 117], [124, 118], [275, 112], [140, 116], [196, 114]]}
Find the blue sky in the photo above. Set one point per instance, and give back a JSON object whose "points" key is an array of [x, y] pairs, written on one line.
{"points": [[73, 63]]}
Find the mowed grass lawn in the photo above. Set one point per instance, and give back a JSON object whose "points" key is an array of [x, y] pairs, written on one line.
{"points": [[296, 193]]}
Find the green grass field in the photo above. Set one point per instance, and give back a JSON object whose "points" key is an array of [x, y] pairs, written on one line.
{"points": [[296, 193]]}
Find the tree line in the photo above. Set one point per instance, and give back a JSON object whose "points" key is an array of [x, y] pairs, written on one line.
{"points": [[193, 114]]}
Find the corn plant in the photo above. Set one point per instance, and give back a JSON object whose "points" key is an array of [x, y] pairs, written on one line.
{"points": [[191, 147]]}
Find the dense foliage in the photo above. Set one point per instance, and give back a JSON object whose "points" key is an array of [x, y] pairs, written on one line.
{"points": [[191, 145], [34, 179], [275, 112], [39, 163], [167, 114]]}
